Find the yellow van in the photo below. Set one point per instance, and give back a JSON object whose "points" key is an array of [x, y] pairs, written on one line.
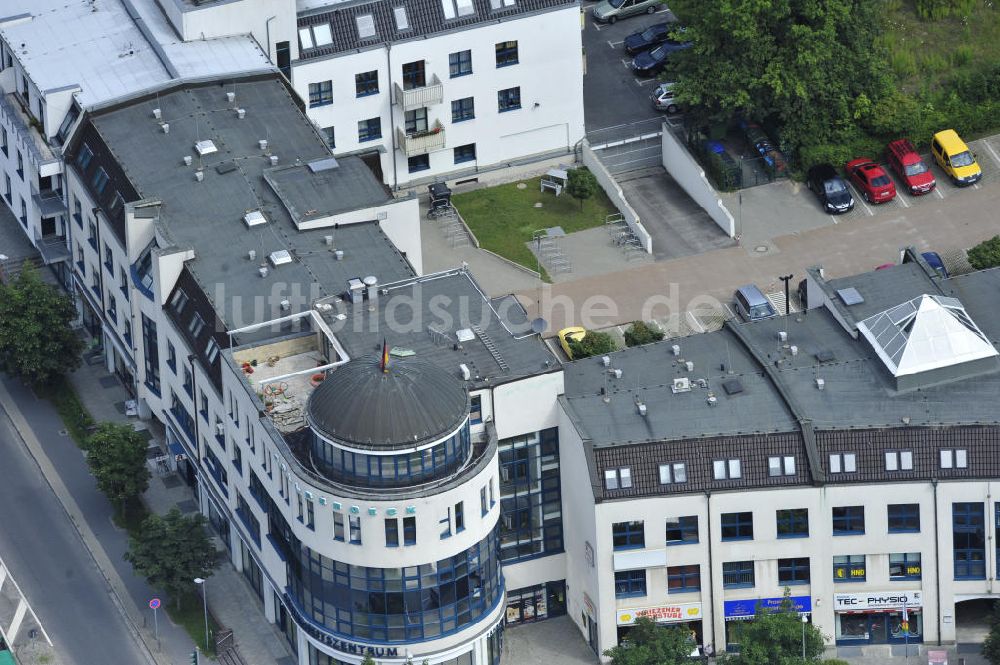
{"points": [[955, 158]]}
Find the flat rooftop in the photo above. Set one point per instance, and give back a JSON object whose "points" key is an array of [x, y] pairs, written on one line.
{"points": [[325, 187]]}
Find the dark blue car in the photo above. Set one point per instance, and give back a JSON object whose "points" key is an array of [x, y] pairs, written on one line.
{"points": [[646, 39], [651, 63]]}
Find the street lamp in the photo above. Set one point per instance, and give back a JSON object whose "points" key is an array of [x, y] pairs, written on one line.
{"points": [[805, 620], [204, 601]]}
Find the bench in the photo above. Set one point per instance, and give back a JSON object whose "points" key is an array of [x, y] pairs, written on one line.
{"points": [[549, 184]]}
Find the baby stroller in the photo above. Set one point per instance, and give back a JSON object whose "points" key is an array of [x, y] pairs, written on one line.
{"points": [[440, 196]]}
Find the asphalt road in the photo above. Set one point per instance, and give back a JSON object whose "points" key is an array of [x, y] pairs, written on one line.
{"points": [[47, 558]]}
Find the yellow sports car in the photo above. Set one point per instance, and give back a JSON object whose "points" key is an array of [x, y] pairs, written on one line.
{"points": [[573, 333]]}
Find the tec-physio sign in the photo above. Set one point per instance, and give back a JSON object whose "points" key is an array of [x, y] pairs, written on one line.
{"points": [[875, 601], [662, 614]]}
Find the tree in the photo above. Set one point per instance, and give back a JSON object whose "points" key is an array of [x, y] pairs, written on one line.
{"points": [[986, 254], [368, 660], [642, 333], [991, 645], [581, 184], [116, 455], [775, 638], [171, 551], [650, 644], [593, 344], [36, 341]]}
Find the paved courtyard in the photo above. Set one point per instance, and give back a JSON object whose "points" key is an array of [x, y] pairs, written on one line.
{"points": [[552, 642]]}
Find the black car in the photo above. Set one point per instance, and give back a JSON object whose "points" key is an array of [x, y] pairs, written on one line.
{"points": [[650, 63], [830, 189], [646, 39]]}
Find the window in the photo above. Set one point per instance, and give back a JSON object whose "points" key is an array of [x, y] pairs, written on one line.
{"points": [[196, 324], [330, 136], [413, 75], [317, 35], [171, 357], [618, 478], [781, 466], [179, 301], [151, 350], [737, 575], [100, 180], [445, 523], [726, 469], [463, 109], [509, 99], [392, 532], [460, 64], [476, 409], [681, 579], [109, 260], [737, 526], [793, 571], [418, 163], [675, 472], [82, 158], [465, 153], [682, 530], [338, 526], [355, 524], [3, 142], [793, 523], [366, 83], [849, 568], [188, 381], [123, 281], [506, 53], [112, 308], [409, 531], [969, 540], [211, 351], [899, 460], [905, 566], [904, 517], [320, 94], [459, 517], [843, 463], [310, 507], [630, 583], [20, 168], [848, 520], [6, 191], [483, 506], [238, 460], [370, 129], [954, 458], [628, 535], [92, 236], [416, 121]]}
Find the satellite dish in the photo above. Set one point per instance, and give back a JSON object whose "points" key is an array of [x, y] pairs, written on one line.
{"points": [[538, 326]]}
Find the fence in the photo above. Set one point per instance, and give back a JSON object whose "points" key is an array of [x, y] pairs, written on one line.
{"points": [[628, 147], [614, 192]]}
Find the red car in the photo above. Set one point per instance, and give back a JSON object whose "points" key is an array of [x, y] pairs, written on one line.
{"points": [[909, 166], [871, 180]]}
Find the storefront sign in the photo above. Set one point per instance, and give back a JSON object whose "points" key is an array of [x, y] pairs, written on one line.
{"points": [[876, 601], [744, 609], [329, 640], [661, 614]]}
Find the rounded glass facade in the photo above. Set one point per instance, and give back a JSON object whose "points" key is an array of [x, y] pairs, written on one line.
{"points": [[398, 604], [402, 470]]}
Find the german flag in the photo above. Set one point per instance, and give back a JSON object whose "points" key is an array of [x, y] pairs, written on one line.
{"points": [[385, 356]]}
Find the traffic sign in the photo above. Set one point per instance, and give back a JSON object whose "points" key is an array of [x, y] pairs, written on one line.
{"points": [[154, 603]]}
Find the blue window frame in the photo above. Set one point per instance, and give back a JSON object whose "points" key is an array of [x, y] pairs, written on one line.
{"points": [[392, 532], [409, 531], [476, 409], [849, 568], [905, 566], [355, 524], [682, 530], [366, 83], [630, 583], [463, 109], [338, 526], [681, 579], [737, 575], [82, 158], [904, 517], [465, 153], [413, 75], [793, 571], [969, 540], [530, 496], [506, 53], [418, 163], [151, 354], [737, 526], [320, 94], [460, 64], [370, 129], [509, 99], [628, 535], [100, 180], [848, 520], [793, 523], [247, 517]]}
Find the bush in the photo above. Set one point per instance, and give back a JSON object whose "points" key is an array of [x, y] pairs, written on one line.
{"points": [[938, 9], [593, 344], [642, 333], [986, 254]]}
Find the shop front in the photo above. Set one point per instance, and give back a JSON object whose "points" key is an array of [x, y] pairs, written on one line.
{"points": [[535, 603], [879, 617], [683, 615], [745, 609]]}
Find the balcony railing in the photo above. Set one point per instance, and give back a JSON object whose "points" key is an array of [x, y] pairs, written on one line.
{"points": [[416, 98], [421, 143], [52, 248], [50, 202]]}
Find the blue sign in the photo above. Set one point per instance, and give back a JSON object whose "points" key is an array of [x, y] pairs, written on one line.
{"points": [[739, 609]]}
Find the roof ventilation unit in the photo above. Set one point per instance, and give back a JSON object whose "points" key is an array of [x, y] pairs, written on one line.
{"points": [[328, 240], [199, 175], [274, 160], [254, 218], [641, 407], [280, 257], [820, 384], [464, 369], [165, 127], [682, 385], [285, 305], [782, 336], [606, 361], [205, 147], [241, 113], [794, 350], [689, 365], [262, 143], [157, 113], [187, 160], [262, 271], [252, 255], [676, 349], [230, 97], [712, 399], [616, 372], [465, 335]]}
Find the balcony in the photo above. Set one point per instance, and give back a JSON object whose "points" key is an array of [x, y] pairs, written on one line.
{"points": [[416, 98], [421, 143], [53, 248], [12, 108], [50, 202]]}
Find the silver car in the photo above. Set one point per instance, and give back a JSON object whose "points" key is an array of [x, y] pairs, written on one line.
{"points": [[609, 11], [663, 98], [751, 304]]}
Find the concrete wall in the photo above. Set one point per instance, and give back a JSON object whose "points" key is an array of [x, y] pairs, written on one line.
{"points": [[688, 173], [616, 195]]}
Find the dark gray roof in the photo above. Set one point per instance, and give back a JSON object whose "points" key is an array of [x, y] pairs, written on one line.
{"points": [[14, 243], [324, 187], [882, 289], [411, 403], [425, 18], [446, 303]]}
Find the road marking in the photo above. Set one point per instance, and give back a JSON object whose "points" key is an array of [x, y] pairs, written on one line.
{"points": [[975, 186], [596, 26], [642, 82], [992, 151], [871, 213], [625, 62], [614, 44], [695, 322], [902, 200], [937, 190]]}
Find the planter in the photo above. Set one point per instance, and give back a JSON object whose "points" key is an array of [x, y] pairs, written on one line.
{"points": [[317, 379]]}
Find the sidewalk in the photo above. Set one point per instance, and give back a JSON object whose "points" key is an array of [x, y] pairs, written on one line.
{"points": [[230, 599]]}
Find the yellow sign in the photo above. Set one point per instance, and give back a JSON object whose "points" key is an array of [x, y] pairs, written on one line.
{"points": [[661, 614]]}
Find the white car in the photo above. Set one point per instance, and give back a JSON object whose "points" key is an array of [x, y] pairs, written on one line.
{"points": [[663, 98]]}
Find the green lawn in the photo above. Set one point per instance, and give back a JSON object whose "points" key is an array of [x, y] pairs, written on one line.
{"points": [[70, 409], [191, 617], [504, 217]]}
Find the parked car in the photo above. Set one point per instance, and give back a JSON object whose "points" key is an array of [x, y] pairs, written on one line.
{"points": [[934, 261], [663, 98], [910, 167], [751, 304], [830, 189], [609, 11], [955, 158], [573, 333], [646, 39], [651, 63], [871, 180]]}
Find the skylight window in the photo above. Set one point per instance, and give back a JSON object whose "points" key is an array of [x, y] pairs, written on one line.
{"points": [[465, 7], [322, 35], [306, 38], [402, 21], [366, 26], [449, 9], [453, 8]]}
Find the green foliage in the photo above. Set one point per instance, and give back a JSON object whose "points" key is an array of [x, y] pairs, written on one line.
{"points": [[36, 343], [650, 644], [581, 184], [641, 332], [775, 638], [71, 411], [833, 661], [593, 344], [368, 660], [116, 455], [939, 9], [991, 645], [171, 551], [986, 254]]}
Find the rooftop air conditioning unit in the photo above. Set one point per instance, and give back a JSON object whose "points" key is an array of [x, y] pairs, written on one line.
{"points": [[205, 147], [280, 257], [682, 385], [254, 218]]}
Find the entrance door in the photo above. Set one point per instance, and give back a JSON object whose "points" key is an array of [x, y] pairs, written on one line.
{"points": [[592, 634], [878, 628]]}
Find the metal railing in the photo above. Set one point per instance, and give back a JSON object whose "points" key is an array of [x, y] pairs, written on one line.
{"points": [[415, 98]]}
